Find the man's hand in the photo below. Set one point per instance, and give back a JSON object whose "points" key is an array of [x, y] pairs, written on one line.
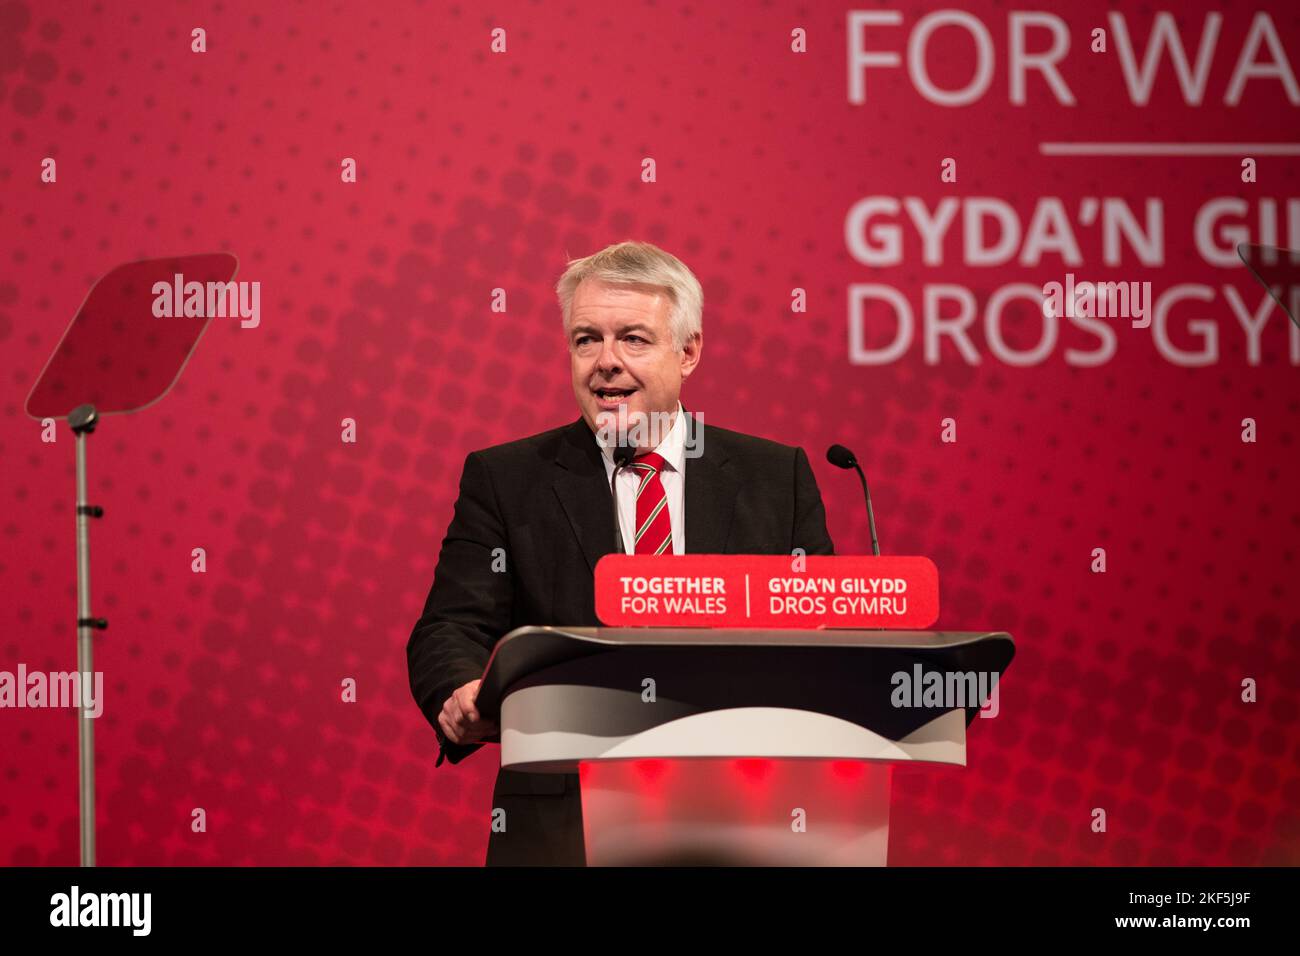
{"points": [[460, 719]]}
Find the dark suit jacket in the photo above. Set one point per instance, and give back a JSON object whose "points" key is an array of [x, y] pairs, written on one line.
{"points": [[543, 505]]}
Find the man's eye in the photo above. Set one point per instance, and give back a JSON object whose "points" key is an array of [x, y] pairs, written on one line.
{"points": [[582, 340], [634, 338]]}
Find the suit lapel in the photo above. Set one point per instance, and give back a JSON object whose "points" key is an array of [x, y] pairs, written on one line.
{"points": [[711, 491], [584, 493]]}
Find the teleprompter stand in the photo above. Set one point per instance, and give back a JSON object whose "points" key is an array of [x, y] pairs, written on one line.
{"points": [[117, 356]]}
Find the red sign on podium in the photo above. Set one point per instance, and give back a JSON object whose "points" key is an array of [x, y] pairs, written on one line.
{"points": [[759, 590]]}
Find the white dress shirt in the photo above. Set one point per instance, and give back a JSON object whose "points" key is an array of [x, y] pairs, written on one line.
{"points": [[673, 476]]}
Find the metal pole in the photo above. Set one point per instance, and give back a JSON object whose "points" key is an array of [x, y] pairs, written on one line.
{"points": [[85, 664]]}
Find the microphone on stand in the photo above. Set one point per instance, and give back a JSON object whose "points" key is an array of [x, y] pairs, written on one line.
{"points": [[623, 455], [841, 457]]}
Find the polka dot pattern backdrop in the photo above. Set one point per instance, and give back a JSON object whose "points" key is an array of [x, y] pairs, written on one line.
{"points": [[478, 170]]}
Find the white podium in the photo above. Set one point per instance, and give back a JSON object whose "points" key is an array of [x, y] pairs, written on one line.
{"points": [[750, 747]]}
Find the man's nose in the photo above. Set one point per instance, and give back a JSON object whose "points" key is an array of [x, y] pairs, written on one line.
{"points": [[608, 360]]}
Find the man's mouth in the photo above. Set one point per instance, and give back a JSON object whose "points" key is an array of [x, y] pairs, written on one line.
{"points": [[613, 396]]}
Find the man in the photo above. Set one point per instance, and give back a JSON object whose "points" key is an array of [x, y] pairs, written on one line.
{"points": [[535, 515]]}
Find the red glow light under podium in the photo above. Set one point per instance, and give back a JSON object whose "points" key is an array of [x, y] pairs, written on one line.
{"points": [[735, 811]]}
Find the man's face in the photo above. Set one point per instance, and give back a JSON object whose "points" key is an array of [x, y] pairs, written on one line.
{"points": [[621, 351]]}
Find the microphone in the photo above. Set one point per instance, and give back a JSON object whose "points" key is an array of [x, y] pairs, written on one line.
{"points": [[623, 455], [841, 457]]}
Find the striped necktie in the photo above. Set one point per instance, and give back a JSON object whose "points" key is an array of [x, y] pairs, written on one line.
{"points": [[654, 526]]}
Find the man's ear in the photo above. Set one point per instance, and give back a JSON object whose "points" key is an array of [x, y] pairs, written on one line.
{"points": [[690, 355]]}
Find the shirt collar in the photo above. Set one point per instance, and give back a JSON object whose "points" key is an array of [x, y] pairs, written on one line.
{"points": [[672, 448]]}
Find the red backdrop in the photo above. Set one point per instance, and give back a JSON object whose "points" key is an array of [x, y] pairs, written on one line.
{"points": [[479, 170]]}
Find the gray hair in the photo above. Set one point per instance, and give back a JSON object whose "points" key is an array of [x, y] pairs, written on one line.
{"points": [[640, 263]]}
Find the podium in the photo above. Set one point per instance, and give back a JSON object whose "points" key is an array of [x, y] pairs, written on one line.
{"points": [[730, 746]]}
